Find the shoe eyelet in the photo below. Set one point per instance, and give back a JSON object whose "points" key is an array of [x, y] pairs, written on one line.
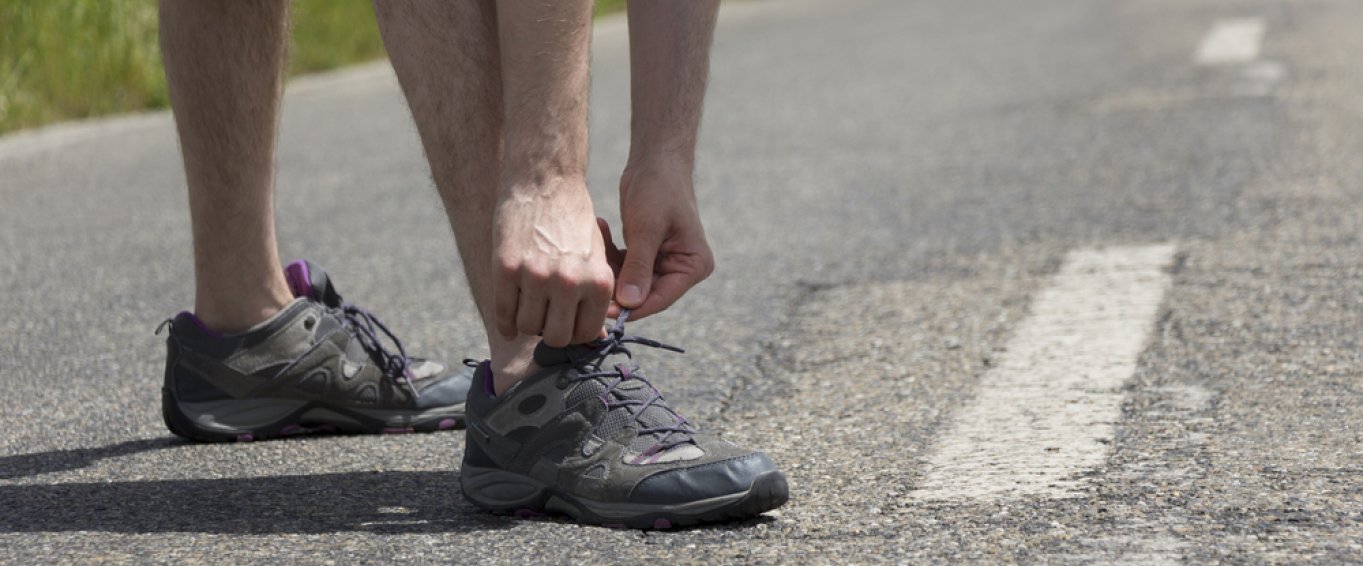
{"points": [[309, 323]]}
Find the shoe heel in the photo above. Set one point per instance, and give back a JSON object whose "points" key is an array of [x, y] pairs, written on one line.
{"points": [[176, 420], [181, 425], [500, 491]]}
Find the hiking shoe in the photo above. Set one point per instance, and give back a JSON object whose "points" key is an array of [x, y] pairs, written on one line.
{"points": [[589, 437], [318, 366]]}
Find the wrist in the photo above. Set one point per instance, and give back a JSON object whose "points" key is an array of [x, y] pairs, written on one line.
{"points": [[660, 146], [542, 182], [659, 173], [663, 161], [545, 155]]}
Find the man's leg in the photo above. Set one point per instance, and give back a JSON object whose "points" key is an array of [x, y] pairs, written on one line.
{"points": [[224, 68], [637, 462], [447, 59], [224, 63]]}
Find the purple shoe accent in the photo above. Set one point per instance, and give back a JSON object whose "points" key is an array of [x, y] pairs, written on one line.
{"points": [[661, 523], [300, 281], [528, 513], [648, 456], [398, 430], [245, 437], [292, 430], [446, 424], [327, 429], [199, 324]]}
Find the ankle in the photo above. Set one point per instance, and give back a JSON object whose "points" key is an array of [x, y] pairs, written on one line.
{"points": [[512, 361], [504, 377], [234, 317]]}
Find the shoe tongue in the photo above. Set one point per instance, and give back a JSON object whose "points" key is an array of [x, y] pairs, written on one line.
{"points": [[308, 280], [546, 356]]}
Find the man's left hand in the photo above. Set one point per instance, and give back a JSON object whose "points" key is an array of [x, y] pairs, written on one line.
{"points": [[667, 252]]}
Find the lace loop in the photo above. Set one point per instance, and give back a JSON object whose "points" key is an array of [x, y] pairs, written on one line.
{"points": [[366, 328], [679, 432]]}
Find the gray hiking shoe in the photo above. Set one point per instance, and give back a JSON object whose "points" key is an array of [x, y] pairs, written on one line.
{"points": [[592, 439], [319, 366]]}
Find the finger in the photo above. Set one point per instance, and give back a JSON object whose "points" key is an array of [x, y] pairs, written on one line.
{"points": [[636, 275], [530, 313], [591, 319], [615, 257], [560, 318], [506, 299], [666, 290]]}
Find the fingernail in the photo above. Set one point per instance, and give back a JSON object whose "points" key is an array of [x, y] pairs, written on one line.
{"points": [[631, 294]]}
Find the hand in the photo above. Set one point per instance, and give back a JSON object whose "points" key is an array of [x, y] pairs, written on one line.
{"points": [[667, 253], [551, 276]]}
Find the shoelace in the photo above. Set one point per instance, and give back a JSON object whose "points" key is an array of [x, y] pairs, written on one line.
{"points": [[367, 328], [615, 343]]}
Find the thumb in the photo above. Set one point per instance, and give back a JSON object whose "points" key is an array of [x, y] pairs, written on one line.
{"points": [[636, 273]]}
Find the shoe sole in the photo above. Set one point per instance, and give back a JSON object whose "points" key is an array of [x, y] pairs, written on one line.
{"points": [[261, 420], [507, 493]]}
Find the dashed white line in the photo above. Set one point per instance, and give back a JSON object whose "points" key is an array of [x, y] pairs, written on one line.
{"points": [[1046, 414], [1231, 41]]}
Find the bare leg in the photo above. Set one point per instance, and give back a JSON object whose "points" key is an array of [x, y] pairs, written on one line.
{"points": [[447, 59], [224, 68]]}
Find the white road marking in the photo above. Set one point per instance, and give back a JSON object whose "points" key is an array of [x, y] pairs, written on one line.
{"points": [[1047, 413], [1231, 41]]}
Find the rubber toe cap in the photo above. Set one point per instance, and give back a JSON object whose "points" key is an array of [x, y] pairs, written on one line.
{"points": [[449, 389], [703, 481]]}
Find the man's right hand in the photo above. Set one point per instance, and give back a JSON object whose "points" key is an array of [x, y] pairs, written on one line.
{"points": [[551, 277]]}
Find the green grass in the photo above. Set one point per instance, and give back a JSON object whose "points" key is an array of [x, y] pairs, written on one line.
{"points": [[608, 6], [65, 59], [70, 59], [333, 33]]}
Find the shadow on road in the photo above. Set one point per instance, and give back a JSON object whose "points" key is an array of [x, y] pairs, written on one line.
{"points": [[38, 463], [379, 502], [408, 502]]}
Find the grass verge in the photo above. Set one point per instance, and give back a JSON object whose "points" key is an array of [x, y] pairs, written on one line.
{"points": [[71, 59]]}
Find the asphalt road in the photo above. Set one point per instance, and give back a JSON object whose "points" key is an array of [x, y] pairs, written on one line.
{"points": [[921, 211]]}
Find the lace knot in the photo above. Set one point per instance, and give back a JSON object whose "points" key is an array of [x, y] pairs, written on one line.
{"points": [[367, 328]]}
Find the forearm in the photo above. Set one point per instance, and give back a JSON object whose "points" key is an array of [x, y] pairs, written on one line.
{"points": [[669, 45], [545, 53]]}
